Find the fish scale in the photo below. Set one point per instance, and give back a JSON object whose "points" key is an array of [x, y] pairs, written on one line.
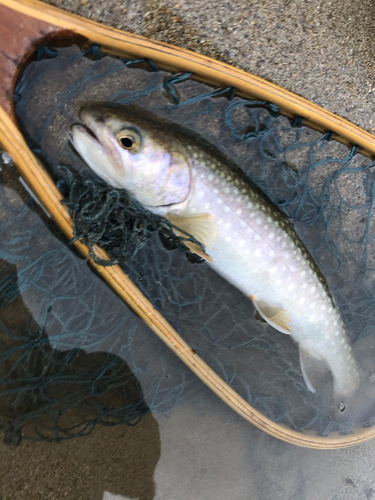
{"points": [[247, 240]]}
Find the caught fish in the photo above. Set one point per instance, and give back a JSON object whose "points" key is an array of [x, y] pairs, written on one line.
{"points": [[247, 240]]}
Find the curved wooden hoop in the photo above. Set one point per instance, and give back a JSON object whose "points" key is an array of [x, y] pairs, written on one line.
{"points": [[210, 71]]}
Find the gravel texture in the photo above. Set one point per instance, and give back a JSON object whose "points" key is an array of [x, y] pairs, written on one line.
{"points": [[320, 50]]}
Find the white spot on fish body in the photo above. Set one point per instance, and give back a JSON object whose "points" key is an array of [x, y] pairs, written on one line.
{"points": [[271, 235], [239, 212], [227, 225], [249, 204], [291, 287], [226, 190], [241, 243], [227, 209], [257, 237], [207, 205], [257, 253], [243, 223], [258, 221], [215, 191], [227, 239], [278, 282], [301, 301], [210, 177], [269, 219]]}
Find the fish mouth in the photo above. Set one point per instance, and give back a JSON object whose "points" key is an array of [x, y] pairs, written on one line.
{"points": [[88, 146], [94, 133], [85, 129]]}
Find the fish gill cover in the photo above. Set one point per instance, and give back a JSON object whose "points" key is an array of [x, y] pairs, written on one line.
{"points": [[324, 187]]}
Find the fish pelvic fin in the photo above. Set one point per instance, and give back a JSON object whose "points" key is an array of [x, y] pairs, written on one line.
{"points": [[307, 363], [277, 317], [203, 228]]}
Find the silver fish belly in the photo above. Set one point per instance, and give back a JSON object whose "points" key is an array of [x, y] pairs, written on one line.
{"points": [[258, 251]]}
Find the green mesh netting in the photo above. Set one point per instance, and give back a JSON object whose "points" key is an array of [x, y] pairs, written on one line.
{"points": [[326, 188]]}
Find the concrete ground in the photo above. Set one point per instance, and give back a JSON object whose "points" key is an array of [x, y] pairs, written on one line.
{"points": [[322, 50]]}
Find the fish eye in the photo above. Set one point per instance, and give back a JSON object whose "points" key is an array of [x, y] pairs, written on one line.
{"points": [[126, 141], [129, 140]]}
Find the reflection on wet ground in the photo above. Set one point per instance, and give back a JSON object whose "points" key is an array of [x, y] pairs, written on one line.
{"points": [[52, 391]]}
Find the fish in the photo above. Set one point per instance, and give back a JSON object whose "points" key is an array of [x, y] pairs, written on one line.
{"points": [[246, 239]]}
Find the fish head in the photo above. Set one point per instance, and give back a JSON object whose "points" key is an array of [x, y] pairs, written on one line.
{"points": [[129, 152]]}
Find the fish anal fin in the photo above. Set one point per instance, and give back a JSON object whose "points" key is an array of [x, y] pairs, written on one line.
{"points": [[274, 315], [309, 364]]}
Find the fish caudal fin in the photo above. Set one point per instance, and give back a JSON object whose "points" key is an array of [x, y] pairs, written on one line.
{"points": [[277, 317]]}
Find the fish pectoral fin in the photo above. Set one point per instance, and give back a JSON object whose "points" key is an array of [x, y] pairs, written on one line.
{"points": [[274, 315], [309, 364], [194, 248], [203, 228]]}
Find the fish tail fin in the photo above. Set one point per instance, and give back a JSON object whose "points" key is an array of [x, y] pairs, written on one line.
{"points": [[345, 373]]}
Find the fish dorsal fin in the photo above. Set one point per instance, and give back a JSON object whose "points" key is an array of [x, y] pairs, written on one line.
{"points": [[307, 362], [203, 228], [274, 315]]}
